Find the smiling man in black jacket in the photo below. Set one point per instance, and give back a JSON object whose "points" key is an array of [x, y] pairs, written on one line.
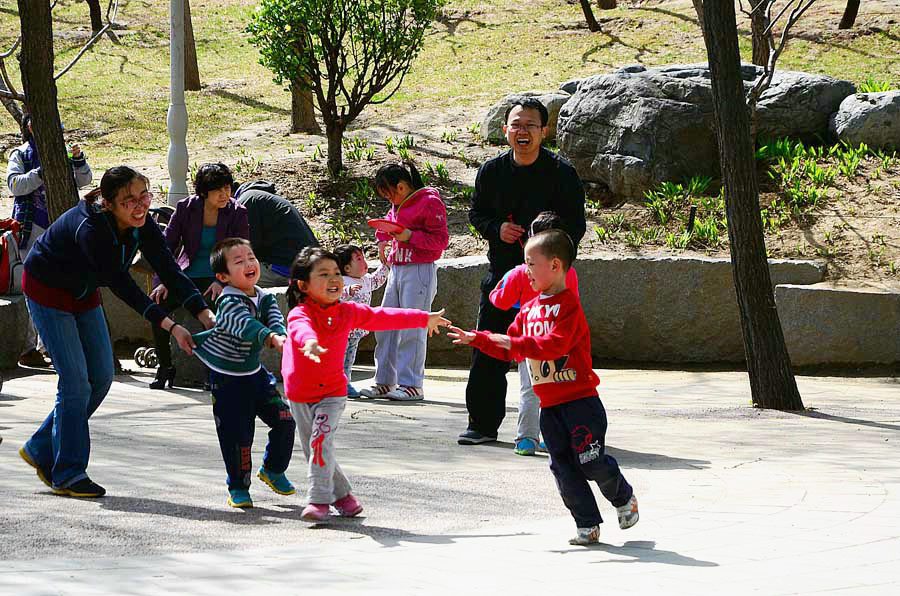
{"points": [[510, 191]]}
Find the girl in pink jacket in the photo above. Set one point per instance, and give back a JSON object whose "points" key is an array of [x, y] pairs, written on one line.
{"points": [[411, 253], [312, 366]]}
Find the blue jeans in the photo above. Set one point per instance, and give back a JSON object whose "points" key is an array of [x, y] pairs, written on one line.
{"points": [[82, 355]]}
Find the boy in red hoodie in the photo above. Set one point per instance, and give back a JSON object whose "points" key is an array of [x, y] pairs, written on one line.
{"points": [[552, 334]]}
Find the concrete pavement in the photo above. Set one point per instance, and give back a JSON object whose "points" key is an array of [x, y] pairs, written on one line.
{"points": [[733, 500]]}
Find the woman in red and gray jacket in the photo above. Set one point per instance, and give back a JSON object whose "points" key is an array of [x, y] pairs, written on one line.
{"points": [[199, 222]]}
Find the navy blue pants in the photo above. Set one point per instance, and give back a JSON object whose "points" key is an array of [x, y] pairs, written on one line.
{"points": [[237, 401], [575, 435]]}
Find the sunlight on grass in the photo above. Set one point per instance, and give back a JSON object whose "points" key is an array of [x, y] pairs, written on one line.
{"points": [[479, 51]]}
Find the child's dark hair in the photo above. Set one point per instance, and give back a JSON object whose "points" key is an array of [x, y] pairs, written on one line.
{"points": [[302, 267], [218, 257], [344, 254], [546, 220], [390, 175], [115, 179], [212, 176], [529, 103], [554, 244]]}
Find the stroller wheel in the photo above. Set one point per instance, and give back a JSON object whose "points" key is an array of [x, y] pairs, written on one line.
{"points": [[139, 355], [151, 358]]}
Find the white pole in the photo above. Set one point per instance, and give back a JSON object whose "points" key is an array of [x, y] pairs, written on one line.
{"points": [[177, 118]]}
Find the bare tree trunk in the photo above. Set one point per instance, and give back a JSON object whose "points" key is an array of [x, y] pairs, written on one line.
{"points": [[772, 382], [36, 65], [592, 23], [606, 4], [335, 134], [96, 15], [11, 105], [850, 13], [760, 39], [303, 115], [191, 69], [698, 8]]}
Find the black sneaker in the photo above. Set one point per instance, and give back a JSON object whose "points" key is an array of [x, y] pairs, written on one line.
{"points": [[473, 437], [84, 489]]}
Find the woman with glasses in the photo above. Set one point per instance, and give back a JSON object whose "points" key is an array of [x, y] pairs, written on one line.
{"points": [[90, 246], [199, 222]]}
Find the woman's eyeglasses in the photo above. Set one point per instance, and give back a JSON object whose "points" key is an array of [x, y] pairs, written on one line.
{"points": [[145, 199]]}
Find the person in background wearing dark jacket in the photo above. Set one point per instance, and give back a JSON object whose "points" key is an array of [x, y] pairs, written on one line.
{"points": [[199, 222], [277, 231], [88, 247], [510, 191], [24, 177]]}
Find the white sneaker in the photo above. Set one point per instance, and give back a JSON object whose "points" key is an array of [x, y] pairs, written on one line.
{"points": [[403, 393], [376, 390], [586, 536], [628, 513]]}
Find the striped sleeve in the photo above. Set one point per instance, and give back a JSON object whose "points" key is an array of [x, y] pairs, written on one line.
{"points": [[274, 319]]}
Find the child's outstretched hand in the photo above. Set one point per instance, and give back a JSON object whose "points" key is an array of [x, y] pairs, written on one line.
{"points": [[352, 290], [460, 337], [312, 350], [277, 342], [435, 320]]}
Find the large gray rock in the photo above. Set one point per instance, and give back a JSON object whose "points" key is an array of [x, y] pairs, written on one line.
{"points": [[637, 127], [870, 118], [828, 325], [491, 125]]}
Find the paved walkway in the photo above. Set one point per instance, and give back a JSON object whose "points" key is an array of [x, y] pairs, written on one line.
{"points": [[733, 500]]}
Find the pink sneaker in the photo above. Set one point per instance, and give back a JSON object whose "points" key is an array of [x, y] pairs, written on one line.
{"points": [[348, 506], [315, 512]]}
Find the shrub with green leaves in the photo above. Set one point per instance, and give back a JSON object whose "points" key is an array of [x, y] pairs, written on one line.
{"points": [[349, 53], [871, 85]]}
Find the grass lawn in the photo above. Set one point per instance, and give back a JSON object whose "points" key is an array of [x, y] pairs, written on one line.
{"points": [[117, 95]]}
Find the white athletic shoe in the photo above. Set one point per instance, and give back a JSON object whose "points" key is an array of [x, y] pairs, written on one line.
{"points": [[586, 536], [628, 513], [403, 393], [376, 390]]}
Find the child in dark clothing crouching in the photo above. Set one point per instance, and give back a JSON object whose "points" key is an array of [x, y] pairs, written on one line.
{"points": [[551, 333]]}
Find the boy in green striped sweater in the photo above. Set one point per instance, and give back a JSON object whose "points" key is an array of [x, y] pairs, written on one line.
{"points": [[247, 319]]}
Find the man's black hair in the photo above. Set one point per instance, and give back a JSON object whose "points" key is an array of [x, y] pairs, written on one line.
{"points": [[529, 103]]}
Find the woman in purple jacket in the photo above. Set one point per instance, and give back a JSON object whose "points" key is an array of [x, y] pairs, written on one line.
{"points": [[199, 221]]}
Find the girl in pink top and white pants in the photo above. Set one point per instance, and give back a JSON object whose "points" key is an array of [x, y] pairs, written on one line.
{"points": [[412, 252], [312, 366]]}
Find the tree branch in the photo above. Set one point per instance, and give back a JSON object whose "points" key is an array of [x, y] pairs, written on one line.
{"points": [[94, 39]]}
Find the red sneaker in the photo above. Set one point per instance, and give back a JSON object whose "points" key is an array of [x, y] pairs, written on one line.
{"points": [[348, 506], [315, 512]]}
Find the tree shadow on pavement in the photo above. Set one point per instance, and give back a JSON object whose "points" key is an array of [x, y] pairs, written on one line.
{"points": [[640, 551], [391, 537], [253, 516], [847, 420]]}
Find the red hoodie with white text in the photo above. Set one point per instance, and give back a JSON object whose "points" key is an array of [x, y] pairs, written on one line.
{"points": [[552, 334]]}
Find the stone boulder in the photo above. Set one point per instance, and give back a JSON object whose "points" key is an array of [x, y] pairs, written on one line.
{"points": [[637, 127], [491, 125], [870, 118]]}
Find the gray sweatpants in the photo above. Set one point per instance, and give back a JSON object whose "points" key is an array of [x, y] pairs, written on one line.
{"points": [[400, 355], [529, 426], [316, 425]]}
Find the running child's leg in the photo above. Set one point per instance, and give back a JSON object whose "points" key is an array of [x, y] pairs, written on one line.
{"points": [[272, 410], [586, 421], [235, 424], [529, 426], [316, 425], [350, 358], [570, 481]]}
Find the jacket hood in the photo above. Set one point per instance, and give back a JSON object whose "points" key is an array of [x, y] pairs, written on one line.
{"points": [[263, 185]]}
